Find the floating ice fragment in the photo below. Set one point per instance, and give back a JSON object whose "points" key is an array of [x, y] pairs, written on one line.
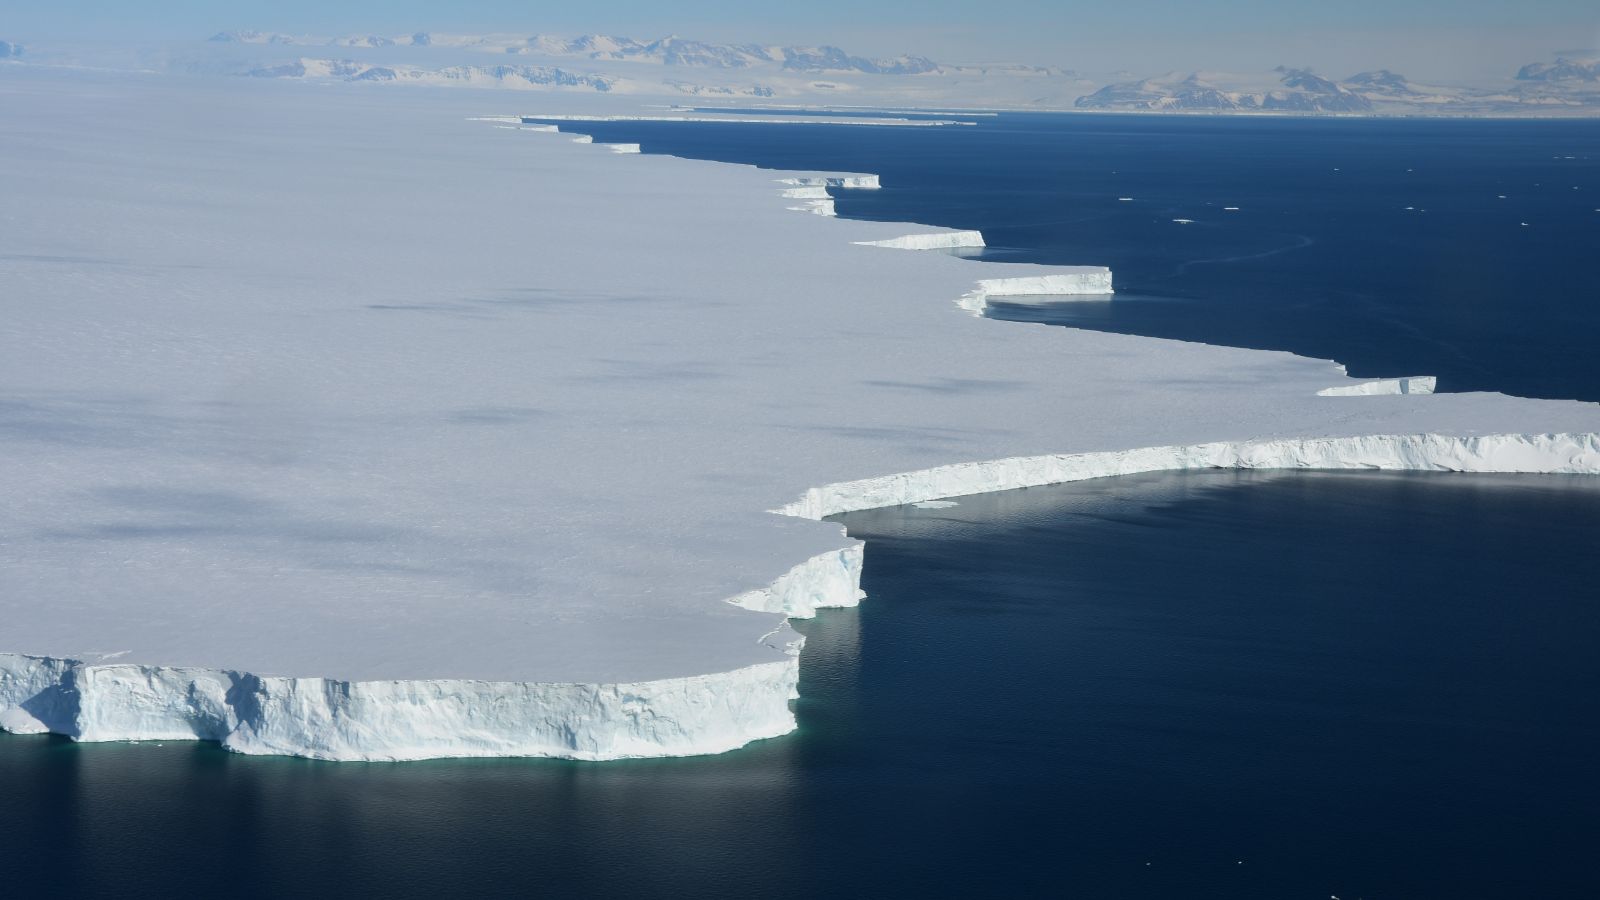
{"points": [[1184, 221], [935, 504], [1125, 199], [1230, 209]]}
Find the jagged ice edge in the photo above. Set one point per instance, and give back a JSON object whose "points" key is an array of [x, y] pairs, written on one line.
{"points": [[331, 719]]}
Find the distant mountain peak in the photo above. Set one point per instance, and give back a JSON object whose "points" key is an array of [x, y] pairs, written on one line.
{"points": [[482, 76], [1563, 69], [1293, 90], [1381, 81], [670, 50]]}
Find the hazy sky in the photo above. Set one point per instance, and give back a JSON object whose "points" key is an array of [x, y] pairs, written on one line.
{"points": [[1423, 38]]}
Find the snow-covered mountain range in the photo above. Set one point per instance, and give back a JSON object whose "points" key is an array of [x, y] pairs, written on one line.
{"points": [[479, 76], [825, 75], [1294, 90], [1539, 87], [671, 50], [1562, 71]]}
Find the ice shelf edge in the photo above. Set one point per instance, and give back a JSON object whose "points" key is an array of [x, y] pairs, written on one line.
{"points": [[413, 719], [406, 720], [1506, 453]]}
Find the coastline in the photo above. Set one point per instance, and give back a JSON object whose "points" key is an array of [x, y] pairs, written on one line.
{"points": [[701, 713]]}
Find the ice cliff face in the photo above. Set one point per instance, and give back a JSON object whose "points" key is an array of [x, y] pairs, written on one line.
{"points": [[1063, 282], [944, 240], [331, 719], [812, 190], [852, 182], [396, 720], [1546, 453]]}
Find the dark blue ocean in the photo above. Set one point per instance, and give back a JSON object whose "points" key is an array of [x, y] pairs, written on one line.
{"points": [[1204, 684], [1397, 247]]}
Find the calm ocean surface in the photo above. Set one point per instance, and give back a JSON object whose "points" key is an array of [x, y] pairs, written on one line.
{"points": [[1396, 247], [1202, 684]]}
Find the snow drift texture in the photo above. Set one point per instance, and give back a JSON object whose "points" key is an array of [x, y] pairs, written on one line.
{"points": [[339, 425]]}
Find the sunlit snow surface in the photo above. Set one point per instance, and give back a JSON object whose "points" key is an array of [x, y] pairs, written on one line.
{"points": [[336, 423]]}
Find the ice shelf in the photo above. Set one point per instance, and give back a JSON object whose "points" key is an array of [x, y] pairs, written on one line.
{"points": [[338, 425]]}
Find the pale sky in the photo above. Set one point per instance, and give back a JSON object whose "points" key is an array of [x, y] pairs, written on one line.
{"points": [[1422, 38]]}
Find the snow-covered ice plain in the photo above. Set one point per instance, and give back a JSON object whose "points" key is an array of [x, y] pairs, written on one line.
{"points": [[337, 423]]}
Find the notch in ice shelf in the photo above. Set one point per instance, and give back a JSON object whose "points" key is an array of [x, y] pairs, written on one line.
{"points": [[1411, 384], [813, 189], [848, 182], [943, 240], [1088, 282]]}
